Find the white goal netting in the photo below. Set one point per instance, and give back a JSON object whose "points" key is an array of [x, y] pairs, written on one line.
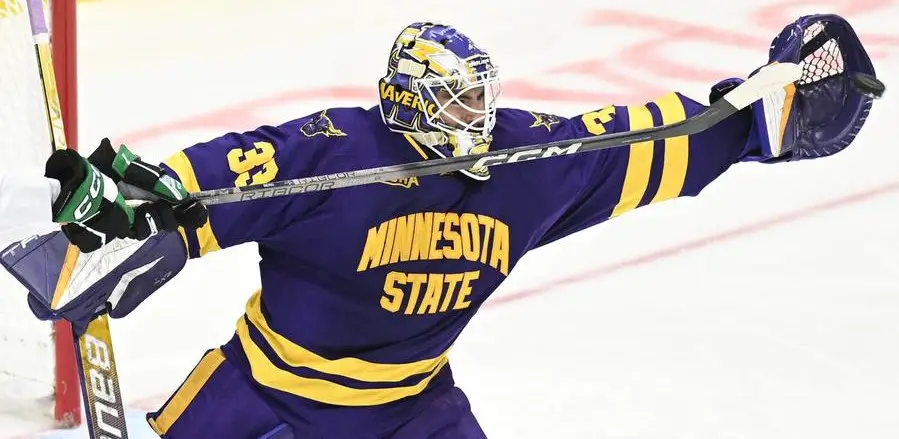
{"points": [[27, 361]]}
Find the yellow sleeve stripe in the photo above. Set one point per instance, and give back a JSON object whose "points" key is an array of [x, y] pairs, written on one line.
{"points": [[206, 239], [354, 368], [185, 170], [639, 163], [269, 375], [182, 398], [677, 150]]}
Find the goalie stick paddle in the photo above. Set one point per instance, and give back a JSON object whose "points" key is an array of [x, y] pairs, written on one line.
{"points": [[96, 364], [768, 79]]}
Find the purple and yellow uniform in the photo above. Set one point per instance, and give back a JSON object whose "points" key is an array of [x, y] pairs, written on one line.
{"points": [[365, 289]]}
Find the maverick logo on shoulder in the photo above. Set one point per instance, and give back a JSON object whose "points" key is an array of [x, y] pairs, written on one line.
{"points": [[432, 236], [321, 124]]}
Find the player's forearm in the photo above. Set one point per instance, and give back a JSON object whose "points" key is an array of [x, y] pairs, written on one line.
{"points": [[714, 151], [649, 172]]}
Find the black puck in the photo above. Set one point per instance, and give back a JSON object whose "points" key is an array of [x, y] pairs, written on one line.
{"points": [[868, 85]]}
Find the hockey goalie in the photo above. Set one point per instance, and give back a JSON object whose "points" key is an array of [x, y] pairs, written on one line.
{"points": [[365, 289]]}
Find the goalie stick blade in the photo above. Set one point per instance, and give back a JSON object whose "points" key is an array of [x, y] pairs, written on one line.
{"points": [[767, 80]]}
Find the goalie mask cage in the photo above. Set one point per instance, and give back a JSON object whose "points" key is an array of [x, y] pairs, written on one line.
{"points": [[38, 372]]}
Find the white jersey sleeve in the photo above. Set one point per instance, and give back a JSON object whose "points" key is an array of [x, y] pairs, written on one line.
{"points": [[26, 198]]}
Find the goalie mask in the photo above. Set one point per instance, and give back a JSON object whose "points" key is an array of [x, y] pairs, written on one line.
{"points": [[441, 89]]}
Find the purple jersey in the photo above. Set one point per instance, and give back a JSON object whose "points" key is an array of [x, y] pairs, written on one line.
{"points": [[365, 289]]}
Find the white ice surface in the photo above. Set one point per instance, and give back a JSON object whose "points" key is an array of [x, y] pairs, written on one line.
{"points": [[766, 308]]}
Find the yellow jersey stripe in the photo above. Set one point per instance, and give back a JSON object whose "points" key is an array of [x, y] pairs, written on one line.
{"points": [[677, 150], [354, 368], [206, 239], [185, 170], [185, 394], [639, 163], [268, 374]]}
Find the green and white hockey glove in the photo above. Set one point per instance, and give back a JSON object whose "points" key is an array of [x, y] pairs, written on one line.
{"points": [[122, 165], [91, 209]]}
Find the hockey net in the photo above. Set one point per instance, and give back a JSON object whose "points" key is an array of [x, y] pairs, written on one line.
{"points": [[38, 375]]}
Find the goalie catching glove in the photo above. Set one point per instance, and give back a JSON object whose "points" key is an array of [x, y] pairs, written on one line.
{"points": [[820, 114]]}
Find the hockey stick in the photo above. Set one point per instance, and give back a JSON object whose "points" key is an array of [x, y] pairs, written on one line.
{"points": [[767, 80], [102, 399]]}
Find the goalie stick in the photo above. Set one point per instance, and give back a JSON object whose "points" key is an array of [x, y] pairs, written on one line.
{"points": [[96, 364], [767, 80]]}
